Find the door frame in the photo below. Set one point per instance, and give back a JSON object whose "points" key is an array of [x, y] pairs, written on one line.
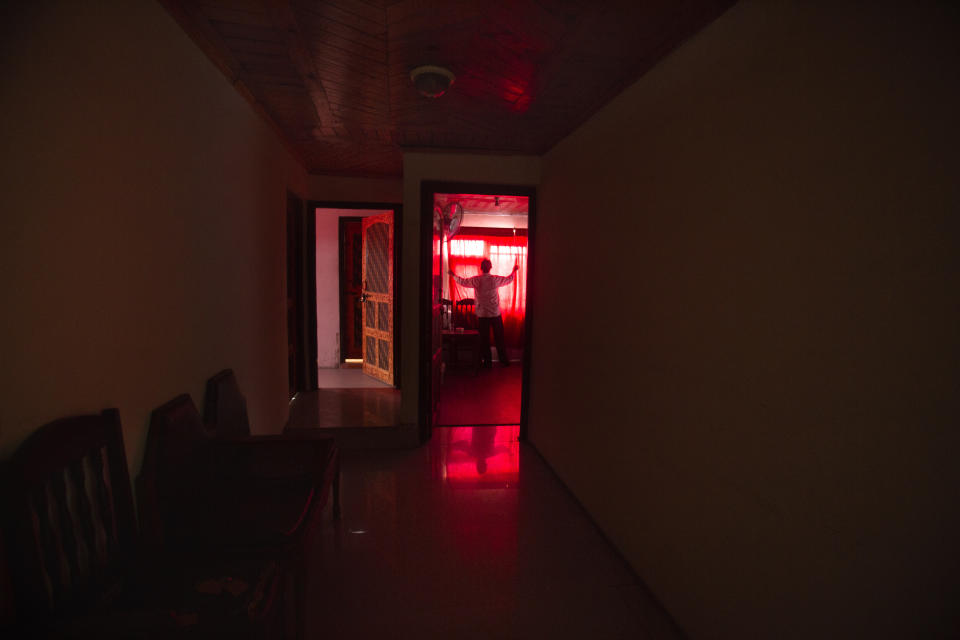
{"points": [[428, 188], [397, 209], [300, 282]]}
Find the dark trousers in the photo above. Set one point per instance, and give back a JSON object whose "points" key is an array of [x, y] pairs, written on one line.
{"points": [[485, 324]]}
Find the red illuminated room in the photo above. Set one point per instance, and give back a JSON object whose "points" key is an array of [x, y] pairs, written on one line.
{"points": [[482, 366]]}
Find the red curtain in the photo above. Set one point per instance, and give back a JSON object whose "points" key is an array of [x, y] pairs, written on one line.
{"points": [[465, 254]]}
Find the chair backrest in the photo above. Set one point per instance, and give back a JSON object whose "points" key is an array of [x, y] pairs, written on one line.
{"points": [[225, 407], [176, 444], [69, 515], [464, 315]]}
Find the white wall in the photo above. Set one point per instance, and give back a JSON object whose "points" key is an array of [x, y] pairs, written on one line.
{"points": [[345, 189], [328, 281], [763, 416]]}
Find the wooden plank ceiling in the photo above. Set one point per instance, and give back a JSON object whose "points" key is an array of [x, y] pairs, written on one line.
{"points": [[334, 76]]}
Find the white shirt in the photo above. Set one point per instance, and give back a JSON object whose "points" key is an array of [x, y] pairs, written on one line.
{"points": [[486, 287]]}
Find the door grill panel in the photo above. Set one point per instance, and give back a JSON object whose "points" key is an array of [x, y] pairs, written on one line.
{"points": [[384, 354], [377, 250], [371, 313], [383, 316]]}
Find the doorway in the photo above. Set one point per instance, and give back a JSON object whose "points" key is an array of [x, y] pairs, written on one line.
{"points": [[469, 381], [355, 256]]}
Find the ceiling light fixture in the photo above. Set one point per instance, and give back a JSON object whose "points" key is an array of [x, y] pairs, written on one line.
{"points": [[432, 81]]}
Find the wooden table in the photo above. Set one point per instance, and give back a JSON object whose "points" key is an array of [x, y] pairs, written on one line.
{"points": [[453, 340]]}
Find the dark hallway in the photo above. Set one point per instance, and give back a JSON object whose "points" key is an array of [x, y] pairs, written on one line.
{"points": [[746, 258], [471, 536]]}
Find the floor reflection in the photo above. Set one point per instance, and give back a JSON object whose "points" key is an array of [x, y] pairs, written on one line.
{"points": [[441, 542], [485, 397], [479, 457]]}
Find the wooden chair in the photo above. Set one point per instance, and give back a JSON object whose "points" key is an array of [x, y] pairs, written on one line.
{"points": [[464, 315], [225, 407], [252, 495], [77, 567]]}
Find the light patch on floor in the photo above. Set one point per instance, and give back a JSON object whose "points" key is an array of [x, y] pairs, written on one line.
{"points": [[348, 378]]}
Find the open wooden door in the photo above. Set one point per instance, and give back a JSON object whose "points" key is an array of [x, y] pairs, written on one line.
{"points": [[377, 297]]}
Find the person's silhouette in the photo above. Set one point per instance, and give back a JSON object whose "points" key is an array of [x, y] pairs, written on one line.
{"points": [[486, 287], [481, 447]]}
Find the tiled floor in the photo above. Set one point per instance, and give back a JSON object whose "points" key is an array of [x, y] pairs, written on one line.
{"points": [[347, 398], [470, 536], [348, 378], [326, 408], [487, 396]]}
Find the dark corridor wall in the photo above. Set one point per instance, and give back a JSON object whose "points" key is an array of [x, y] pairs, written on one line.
{"points": [[762, 414]]}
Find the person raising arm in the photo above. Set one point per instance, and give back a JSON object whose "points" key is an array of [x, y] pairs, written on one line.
{"points": [[486, 287]]}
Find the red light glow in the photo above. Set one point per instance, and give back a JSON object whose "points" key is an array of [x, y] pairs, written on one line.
{"points": [[482, 456]]}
